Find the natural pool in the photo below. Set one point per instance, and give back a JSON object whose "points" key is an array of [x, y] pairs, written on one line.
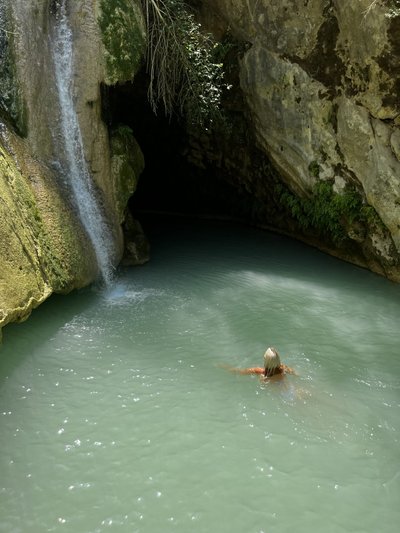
{"points": [[114, 414]]}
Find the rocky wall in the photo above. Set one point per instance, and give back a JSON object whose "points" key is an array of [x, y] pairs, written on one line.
{"points": [[43, 248], [320, 80]]}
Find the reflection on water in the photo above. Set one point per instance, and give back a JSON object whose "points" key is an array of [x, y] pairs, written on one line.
{"points": [[115, 414]]}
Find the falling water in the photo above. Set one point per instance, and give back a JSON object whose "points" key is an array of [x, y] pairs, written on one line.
{"points": [[75, 166]]}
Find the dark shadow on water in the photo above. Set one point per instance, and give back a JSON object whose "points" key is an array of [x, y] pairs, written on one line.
{"points": [[218, 241]]}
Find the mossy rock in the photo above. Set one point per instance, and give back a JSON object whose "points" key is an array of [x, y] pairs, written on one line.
{"points": [[328, 213], [127, 163], [43, 248], [124, 37], [12, 105]]}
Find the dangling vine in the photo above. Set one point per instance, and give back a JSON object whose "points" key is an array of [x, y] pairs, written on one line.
{"points": [[184, 76]]}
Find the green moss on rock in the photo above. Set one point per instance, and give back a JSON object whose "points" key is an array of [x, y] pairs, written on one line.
{"points": [[12, 105], [127, 163], [42, 246], [124, 38]]}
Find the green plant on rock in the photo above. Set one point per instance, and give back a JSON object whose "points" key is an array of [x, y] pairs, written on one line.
{"points": [[124, 132], [185, 75], [326, 211], [123, 39], [314, 169]]}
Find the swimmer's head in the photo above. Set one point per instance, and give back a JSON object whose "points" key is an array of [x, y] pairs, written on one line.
{"points": [[271, 360]]}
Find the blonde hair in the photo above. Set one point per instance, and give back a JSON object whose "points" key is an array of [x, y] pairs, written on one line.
{"points": [[271, 360]]}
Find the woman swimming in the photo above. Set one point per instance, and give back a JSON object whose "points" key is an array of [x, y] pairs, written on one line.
{"points": [[273, 368]]}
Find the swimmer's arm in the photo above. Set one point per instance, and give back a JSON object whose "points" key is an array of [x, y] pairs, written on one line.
{"points": [[253, 370]]}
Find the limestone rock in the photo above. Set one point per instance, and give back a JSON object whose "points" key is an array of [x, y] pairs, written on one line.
{"points": [[137, 247], [395, 143], [34, 21], [127, 163], [42, 246], [365, 145], [124, 37], [12, 105], [321, 81]]}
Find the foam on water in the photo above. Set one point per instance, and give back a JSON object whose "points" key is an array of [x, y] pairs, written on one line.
{"points": [[121, 294]]}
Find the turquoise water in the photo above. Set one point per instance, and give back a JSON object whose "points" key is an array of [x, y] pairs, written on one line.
{"points": [[116, 416]]}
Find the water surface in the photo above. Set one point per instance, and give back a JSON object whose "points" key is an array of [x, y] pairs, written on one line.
{"points": [[115, 414]]}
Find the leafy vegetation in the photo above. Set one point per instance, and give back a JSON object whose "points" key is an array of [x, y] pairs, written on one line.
{"points": [[314, 169], [185, 75], [326, 211]]}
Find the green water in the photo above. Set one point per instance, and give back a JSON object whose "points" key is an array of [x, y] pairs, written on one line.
{"points": [[115, 416]]}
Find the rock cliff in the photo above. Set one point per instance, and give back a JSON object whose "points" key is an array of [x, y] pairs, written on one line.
{"points": [[44, 247], [311, 146], [320, 80]]}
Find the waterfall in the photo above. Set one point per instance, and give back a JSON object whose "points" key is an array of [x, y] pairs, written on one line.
{"points": [[75, 168]]}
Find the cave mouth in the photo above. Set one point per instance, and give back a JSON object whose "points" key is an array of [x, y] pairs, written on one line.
{"points": [[170, 182]]}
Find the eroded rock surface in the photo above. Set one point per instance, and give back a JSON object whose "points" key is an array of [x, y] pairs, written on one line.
{"points": [[44, 248], [321, 80]]}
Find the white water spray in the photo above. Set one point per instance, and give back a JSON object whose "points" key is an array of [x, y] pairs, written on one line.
{"points": [[86, 197]]}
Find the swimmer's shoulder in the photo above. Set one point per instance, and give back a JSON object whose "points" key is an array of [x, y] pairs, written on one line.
{"points": [[288, 370]]}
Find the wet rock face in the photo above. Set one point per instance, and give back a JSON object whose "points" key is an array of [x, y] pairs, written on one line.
{"points": [[12, 106], [101, 54], [124, 38], [43, 246], [321, 81], [35, 21]]}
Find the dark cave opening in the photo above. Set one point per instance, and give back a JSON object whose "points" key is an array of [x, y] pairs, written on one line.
{"points": [[170, 183]]}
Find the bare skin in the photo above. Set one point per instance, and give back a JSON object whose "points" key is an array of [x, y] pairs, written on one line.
{"points": [[275, 374]]}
